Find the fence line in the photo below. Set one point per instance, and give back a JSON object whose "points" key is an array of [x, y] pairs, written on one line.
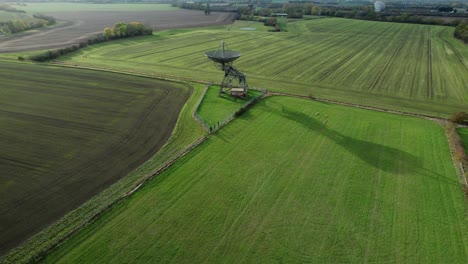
{"points": [[195, 114], [220, 124]]}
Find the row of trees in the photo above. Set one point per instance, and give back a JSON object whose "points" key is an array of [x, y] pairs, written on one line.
{"points": [[18, 25], [120, 30], [297, 10], [365, 12], [123, 30], [50, 20]]}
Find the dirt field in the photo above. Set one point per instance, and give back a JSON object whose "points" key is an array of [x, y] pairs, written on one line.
{"points": [[79, 25], [68, 134]]}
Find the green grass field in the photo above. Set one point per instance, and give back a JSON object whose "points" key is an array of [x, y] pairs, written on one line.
{"points": [[215, 108], [293, 180], [418, 68], [67, 134]]}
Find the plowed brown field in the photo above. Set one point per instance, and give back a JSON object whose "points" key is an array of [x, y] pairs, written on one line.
{"points": [[67, 134], [80, 25]]}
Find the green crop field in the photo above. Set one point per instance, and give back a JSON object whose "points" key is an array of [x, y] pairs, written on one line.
{"points": [[67, 134], [418, 68], [293, 180]]}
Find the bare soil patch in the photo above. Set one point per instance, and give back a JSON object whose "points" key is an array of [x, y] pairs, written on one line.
{"points": [[67, 134], [80, 25]]}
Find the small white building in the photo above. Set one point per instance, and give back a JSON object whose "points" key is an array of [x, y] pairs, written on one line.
{"points": [[279, 14]]}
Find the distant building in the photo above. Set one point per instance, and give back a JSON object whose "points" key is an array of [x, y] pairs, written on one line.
{"points": [[379, 6], [279, 14]]}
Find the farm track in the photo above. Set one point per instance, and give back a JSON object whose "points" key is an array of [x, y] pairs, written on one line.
{"points": [[430, 91]]}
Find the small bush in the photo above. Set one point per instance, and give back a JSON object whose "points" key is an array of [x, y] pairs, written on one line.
{"points": [[455, 140], [459, 118]]}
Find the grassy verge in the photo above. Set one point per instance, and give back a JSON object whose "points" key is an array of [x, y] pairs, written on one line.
{"points": [[293, 180], [464, 136], [463, 157]]}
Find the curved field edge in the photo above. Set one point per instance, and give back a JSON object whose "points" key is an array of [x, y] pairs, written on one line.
{"points": [[351, 185], [68, 134], [185, 133]]}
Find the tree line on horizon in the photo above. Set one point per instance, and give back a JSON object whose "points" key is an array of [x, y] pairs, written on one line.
{"points": [[294, 10]]}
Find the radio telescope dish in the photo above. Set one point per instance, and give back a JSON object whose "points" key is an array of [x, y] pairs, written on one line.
{"points": [[233, 80]]}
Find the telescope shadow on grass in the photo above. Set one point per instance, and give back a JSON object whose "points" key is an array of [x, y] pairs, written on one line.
{"points": [[388, 159]]}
